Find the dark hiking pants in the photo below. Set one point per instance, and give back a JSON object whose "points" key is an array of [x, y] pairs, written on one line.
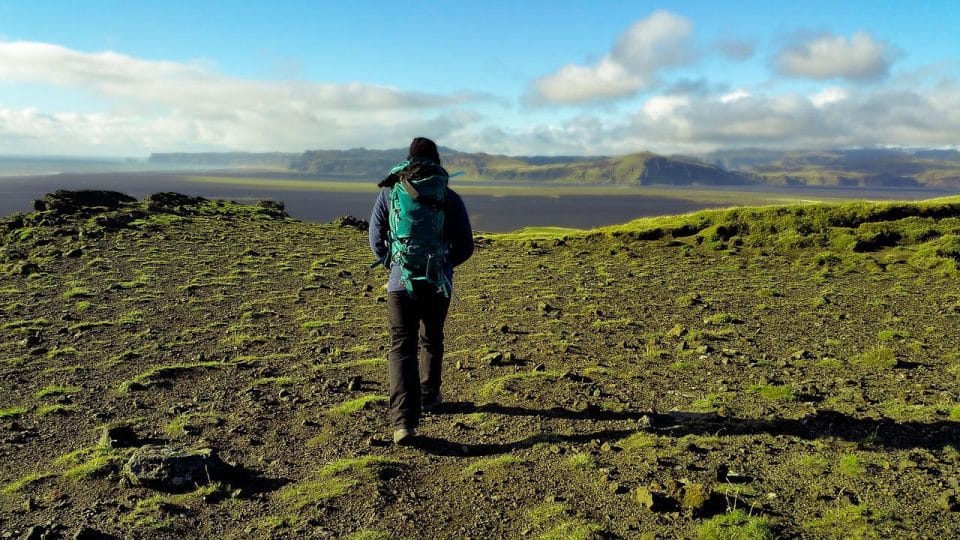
{"points": [[416, 326]]}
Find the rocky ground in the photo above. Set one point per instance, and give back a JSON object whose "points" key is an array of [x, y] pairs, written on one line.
{"points": [[601, 386]]}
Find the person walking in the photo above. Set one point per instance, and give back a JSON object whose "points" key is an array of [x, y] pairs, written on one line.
{"points": [[420, 230]]}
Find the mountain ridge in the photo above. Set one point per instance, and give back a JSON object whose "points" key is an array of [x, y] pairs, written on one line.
{"points": [[885, 168]]}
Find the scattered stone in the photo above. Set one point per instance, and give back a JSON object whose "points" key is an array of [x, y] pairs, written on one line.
{"points": [[677, 331], [948, 501], [801, 355], [616, 488], [36, 533], [25, 268], [354, 383], [74, 253], [172, 203], [695, 497], [121, 436], [460, 364], [175, 469], [703, 349], [351, 222], [273, 208], [644, 422], [87, 533], [62, 202], [492, 359], [539, 367]]}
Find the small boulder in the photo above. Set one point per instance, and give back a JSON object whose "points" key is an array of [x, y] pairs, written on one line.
{"points": [[351, 223], [120, 436], [492, 359], [175, 469], [64, 202], [25, 268], [170, 202]]}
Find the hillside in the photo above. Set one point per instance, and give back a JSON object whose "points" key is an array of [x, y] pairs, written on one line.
{"points": [[635, 169], [901, 168], [643, 168], [867, 168], [752, 372]]}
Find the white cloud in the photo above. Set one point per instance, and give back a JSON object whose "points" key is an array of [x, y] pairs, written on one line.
{"points": [[828, 96], [650, 45], [857, 58], [735, 96], [916, 116], [163, 105], [659, 107]]}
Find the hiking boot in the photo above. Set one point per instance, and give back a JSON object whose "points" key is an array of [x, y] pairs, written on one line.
{"points": [[431, 405], [403, 436]]}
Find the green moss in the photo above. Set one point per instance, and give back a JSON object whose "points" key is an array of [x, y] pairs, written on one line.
{"points": [[334, 480], [159, 512], [492, 465], [54, 390], [638, 442], [91, 462], [87, 325], [47, 410], [192, 421], [546, 512], [771, 392], [850, 465], [354, 405], [709, 402], [735, 525], [12, 412], [20, 483], [844, 521], [26, 324], [720, 319], [572, 530], [878, 358], [152, 376], [77, 292], [370, 534], [507, 382]]}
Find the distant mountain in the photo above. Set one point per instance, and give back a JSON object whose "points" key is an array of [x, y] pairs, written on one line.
{"points": [[635, 169], [893, 167], [642, 168], [225, 159], [356, 161], [872, 167]]}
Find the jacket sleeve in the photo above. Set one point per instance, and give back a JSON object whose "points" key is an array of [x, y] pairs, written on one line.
{"points": [[379, 226], [458, 231]]}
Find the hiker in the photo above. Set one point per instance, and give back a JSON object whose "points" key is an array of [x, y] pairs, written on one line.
{"points": [[420, 230]]}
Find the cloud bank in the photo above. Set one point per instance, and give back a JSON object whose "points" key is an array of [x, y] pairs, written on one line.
{"points": [[857, 58], [141, 105], [171, 105], [649, 46]]}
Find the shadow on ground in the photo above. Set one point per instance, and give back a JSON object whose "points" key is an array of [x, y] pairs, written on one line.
{"points": [[825, 424]]}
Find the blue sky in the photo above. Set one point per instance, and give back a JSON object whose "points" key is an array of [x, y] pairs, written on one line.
{"points": [[130, 78]]}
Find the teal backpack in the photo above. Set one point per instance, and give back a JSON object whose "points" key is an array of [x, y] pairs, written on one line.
{"points": [[416, 218]]}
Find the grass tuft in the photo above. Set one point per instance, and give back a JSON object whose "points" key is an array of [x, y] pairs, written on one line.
{"points": [[735, 525]]}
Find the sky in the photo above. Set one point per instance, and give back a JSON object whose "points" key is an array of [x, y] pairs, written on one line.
{"points": [[120, 78]]}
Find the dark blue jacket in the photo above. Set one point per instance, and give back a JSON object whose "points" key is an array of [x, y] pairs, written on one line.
{"points": [[456, 232]]}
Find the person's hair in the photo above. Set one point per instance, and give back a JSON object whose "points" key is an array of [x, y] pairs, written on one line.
{"points": [[423, 148]]}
